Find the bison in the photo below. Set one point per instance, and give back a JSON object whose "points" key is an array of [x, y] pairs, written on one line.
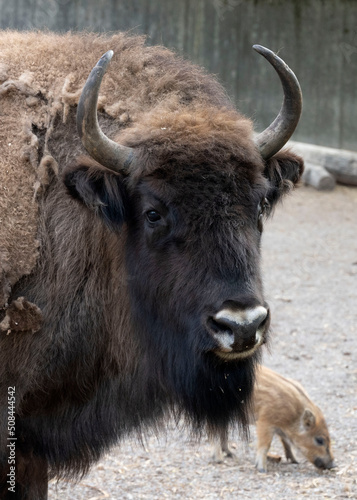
{"points": [[131, 218]]}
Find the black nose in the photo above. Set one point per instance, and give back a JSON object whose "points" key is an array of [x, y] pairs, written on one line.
{"points": [[238, 330], [243, 328], [320, 463]]}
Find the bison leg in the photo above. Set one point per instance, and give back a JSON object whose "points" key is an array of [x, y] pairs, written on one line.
{"points": [[217, 441], [224, 444], [220, 446], [30, 481]]}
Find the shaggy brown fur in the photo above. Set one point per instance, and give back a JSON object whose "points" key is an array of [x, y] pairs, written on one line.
{"points": [[109, 331], [41, 78], [18, 210], [21, 316]]}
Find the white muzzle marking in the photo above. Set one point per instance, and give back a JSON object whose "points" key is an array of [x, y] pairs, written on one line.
{"points": [[242, 317], [225, 341]]}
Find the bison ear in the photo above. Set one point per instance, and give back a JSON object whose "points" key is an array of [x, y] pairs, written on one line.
{"points": [[98, 189], [283, 171]]}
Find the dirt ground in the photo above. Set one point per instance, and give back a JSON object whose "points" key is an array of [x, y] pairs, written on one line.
{"points": [[310, 269]]}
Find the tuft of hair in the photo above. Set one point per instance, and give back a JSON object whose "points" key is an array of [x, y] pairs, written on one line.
{"points": [[284, 171]]}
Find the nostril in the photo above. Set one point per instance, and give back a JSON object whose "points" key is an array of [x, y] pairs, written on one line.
{"points": [[263, 318], [222, 333], [259, 317], [319, 463], [219, 326]]}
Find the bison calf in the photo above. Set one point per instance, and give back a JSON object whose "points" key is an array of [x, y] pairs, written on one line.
{"points": [[282, 407]]}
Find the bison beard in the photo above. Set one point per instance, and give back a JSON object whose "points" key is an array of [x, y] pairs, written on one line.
{"points": [[207, 391], [211, 393], [208, 394], [146, 299]]}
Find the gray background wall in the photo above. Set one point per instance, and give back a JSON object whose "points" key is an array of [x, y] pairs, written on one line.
{"points": [[317, 38]]}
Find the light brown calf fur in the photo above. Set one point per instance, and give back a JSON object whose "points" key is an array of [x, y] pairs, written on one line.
{"points": [[281, 406]]}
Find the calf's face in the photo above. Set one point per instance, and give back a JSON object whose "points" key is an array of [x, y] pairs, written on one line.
{"points": [[314, 440]]}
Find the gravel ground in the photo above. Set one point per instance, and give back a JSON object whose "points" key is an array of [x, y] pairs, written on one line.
{"points": [[310, 268]]}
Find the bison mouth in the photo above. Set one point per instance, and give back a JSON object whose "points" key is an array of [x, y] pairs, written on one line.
{"points": [[236, 355]]}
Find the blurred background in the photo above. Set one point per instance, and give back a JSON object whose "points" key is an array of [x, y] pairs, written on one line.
{"points": [[316, 38]]}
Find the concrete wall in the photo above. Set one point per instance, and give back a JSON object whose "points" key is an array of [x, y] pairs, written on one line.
{"points": [[317, 38]]}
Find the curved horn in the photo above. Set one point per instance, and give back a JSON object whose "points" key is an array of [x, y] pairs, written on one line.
{"points": [[99, 146], [273, 138]]}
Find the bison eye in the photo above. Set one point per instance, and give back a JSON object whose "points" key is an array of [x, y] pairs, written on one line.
{"points": [[320, 441], [263, 207], [153, 216]]}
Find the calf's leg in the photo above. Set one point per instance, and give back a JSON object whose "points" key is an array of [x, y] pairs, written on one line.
{"points": [[288, 451], [264, 438]]}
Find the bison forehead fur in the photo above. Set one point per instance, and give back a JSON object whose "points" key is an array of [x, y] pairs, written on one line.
{"points": [[147, 282]]}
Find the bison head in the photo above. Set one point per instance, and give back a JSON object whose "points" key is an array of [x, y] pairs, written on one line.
{"points": [[192, 188]]}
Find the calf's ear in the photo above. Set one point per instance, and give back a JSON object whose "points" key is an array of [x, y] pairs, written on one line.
{"points": [[99, 189], [308, 419], [283, 171]]}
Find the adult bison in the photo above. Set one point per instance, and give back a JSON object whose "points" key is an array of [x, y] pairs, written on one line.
{"points": [[130, 281]]}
